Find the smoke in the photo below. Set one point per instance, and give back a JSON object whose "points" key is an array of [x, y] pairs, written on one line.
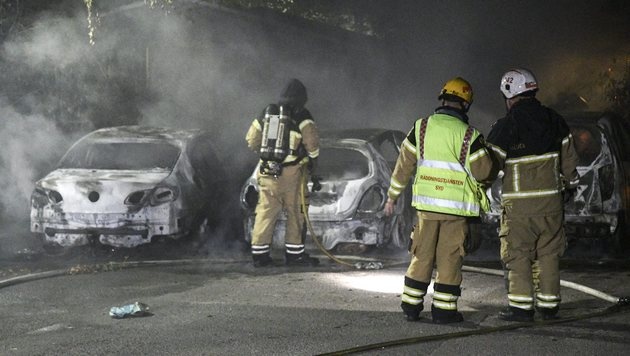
{"points": [[202, 66], [31, 144]]}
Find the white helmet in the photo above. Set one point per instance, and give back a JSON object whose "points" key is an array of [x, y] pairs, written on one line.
{"points": [[518, 81]]}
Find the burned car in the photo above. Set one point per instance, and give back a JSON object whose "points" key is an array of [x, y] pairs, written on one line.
{"points": [[599, 207], [355, 167], [127, 186]]}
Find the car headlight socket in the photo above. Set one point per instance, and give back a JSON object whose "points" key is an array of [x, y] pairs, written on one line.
{"points": [[137, 197], [43, 196], [163, 195], [372, 200]]}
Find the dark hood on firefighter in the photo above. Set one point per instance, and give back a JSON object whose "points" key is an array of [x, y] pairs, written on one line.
{"points": [[529, 128], [294, 94]]}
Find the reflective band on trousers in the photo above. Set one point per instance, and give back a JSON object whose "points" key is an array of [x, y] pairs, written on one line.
{"points": [[521, 305], [411, 300], [445, 297], [260, 249], [444, 305], [547, 300], [520, 298], [414, 292], [521, 301], [459, 205], [445, 301], [294, 249], [548, 305]]}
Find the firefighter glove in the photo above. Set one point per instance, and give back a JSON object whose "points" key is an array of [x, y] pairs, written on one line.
{"points": [[312, 165], [317, 186]]}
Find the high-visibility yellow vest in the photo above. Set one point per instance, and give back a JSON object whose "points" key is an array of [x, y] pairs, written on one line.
{"points": [[443, 182]]}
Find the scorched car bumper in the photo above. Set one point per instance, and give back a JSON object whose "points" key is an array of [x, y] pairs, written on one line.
{"points": [[118, 230], [366, 231]]}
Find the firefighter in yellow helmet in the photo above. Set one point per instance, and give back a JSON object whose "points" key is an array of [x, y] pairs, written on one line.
{"points": [[449, 159], [287, 139], [535, 150]]}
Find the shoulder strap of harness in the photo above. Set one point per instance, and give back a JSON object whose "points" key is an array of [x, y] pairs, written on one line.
{"points": [[421, 134], [465, 145]]}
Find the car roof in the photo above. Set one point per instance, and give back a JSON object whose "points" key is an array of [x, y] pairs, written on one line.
{"points": [[367, 134], [587, 118], [610, 122], [144, 133]]}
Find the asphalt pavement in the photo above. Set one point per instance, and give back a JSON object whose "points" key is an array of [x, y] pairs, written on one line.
{"points": [[220, 305]]}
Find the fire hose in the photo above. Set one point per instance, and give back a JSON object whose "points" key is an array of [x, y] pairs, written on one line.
{"points": [[318, 243], [620, 304]]}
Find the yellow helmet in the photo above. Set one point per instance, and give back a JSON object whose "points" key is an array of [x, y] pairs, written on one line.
{"points": [[457, 87]]}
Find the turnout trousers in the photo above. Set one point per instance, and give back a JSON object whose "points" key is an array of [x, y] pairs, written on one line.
{"points": [[438, 240], [531, 248], [276, 195]]}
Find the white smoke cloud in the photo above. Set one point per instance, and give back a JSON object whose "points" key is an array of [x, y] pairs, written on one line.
{"points": [[30, 144]]}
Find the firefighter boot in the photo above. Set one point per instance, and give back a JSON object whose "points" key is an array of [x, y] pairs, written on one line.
{"points": [[548, 313], [412, 312], [262, 260], [516, 314], [441, 316], [302, 259]]}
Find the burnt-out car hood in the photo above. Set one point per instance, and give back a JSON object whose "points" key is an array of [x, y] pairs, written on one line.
{"points": [[337, 200], [344, 186], [99, 191]]}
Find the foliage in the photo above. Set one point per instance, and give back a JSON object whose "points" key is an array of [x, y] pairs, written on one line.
{"points": [[362, 16], [618, 92]]}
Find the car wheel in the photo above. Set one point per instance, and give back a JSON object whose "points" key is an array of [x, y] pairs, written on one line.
{"points": [[398, 230], [474, 237], [55, 250]]}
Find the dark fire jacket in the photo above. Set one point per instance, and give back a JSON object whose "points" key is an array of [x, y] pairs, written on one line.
{"points": [[535, 150]]}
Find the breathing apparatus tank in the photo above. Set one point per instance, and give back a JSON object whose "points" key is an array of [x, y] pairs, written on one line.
{"points": [[275, 133]]}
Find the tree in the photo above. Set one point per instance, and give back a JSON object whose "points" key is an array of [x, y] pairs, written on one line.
{"points": [[618, 92]]}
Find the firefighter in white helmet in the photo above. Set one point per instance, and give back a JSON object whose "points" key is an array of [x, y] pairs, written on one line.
{"points": [[287, 139], [449, 158], [534, 148]]}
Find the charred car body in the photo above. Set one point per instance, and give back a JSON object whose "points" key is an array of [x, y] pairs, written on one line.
{"points": [[599, 207], [355, 167], [126, 186]]}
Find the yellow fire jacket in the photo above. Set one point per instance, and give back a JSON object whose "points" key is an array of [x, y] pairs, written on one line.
{"points": [[478, 158]]}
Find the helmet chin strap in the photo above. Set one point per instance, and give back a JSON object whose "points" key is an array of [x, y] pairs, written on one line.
{"points": [[463, 106]]}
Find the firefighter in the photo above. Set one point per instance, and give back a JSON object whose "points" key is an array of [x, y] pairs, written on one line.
{"points": [[449, 158], [286, 155], [534, 148]]}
